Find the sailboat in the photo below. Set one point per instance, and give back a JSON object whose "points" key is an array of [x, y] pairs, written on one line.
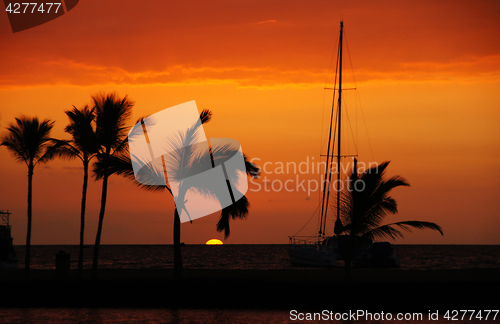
{"points": [[323, 250]]}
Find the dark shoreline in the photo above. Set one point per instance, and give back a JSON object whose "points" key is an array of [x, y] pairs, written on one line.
{"points": [[315, 289]]}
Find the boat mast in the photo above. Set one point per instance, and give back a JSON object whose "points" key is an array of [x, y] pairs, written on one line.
{"points": [[339, 104], [328, 171]]}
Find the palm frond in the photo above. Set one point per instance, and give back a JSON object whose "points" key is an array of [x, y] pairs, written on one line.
{"points": [[28, 139], [15, 146], [408, 225], [82, 130], [237, 210], [251, 169], [66, 150], [185, 154], [391, 232], [120, 164], [111, 114], [364, 210], [51, 151], [385, 231], [205, 116], [122, 147]]}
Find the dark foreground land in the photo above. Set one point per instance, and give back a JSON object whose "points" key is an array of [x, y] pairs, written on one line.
{"points": [[315, 289]]}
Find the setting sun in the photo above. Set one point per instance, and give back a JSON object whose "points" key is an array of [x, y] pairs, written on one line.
{"points": [[214, 242]]}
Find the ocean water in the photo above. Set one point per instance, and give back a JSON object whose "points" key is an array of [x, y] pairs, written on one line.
{"points": [[202, 316], [230, 257], [254, 256]]}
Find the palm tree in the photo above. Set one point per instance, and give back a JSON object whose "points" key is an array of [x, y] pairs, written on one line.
{"points": [[185, 161], [364, 205], [29, 141], [84, 146], [111, 114]]}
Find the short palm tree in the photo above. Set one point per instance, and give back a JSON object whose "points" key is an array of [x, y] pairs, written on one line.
{"points": [[111, 115], [185, 162], [364, 205], [84, 146], [29, 141]]}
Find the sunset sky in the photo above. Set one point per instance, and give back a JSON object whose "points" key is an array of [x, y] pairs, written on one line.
{"points": [[427, 75]]}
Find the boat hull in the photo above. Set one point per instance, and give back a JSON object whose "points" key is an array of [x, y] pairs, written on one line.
{"points": [[309, 256]]}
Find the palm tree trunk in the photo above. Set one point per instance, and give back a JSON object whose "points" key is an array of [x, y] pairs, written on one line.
{"points": [[82, 216], [99, 227], [28, 232], [177, 246]]}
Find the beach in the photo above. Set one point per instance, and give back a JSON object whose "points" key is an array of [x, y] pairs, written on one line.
{"points": [[389, 290]]}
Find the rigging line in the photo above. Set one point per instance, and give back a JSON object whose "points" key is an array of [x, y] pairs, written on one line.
{"points": [[355, 86], [366, 129], [330, 173], [350, 60], [355, 139], [321, 145], [323, 210], [324, 93], [339, 133], [359, 97], [331, 61], [322, 140], [350, 127], [317, 207]]}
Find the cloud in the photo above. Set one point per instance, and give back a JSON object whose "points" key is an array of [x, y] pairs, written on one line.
{"points": [[267, 21], [199, 43], [71, 72]]}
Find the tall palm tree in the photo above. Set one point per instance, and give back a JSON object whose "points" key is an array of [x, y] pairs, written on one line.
{"points": [[29, 141], [364, 205], [111, 114], [84, 146], [185, 161]]}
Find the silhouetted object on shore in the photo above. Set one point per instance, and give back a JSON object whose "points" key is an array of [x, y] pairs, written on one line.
{"points": [[29, 141], [63, 264], [8, 256], [111, 115], [84, 146], [184, 160]]}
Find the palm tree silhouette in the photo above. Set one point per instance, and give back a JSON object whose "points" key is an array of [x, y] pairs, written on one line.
{"points": [[29, 141], [184, 160], [365, 203], [111, 114], [84, 146]]}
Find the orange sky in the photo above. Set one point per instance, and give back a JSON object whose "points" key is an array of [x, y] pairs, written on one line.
{"points": [[427, 75]]}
